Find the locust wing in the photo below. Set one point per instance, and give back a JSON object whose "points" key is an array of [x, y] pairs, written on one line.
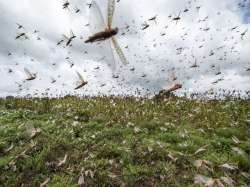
{"points": [[28, 72], [96, 21], [111, 10], [80, 77], [110, 59], [71, 33], [66, 37], [119, 51]]}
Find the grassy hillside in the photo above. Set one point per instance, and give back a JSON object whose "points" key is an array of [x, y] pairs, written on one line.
{"points": [[124, 142]]}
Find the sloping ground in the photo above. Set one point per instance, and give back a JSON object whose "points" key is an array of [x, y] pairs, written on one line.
{"points": [[124, 142]]}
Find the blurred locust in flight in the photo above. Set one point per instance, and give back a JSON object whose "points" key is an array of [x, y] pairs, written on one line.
{"points": [[30, 76], [101, 31], [70, 38], [66, 5], [81, 83]]}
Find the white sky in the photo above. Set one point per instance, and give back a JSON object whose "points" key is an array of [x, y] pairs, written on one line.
{"points": [[211, 43]]}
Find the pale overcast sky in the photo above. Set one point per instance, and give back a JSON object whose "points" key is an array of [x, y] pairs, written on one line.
{"points": [[206, 49]]}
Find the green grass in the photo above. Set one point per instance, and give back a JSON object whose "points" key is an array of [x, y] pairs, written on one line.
{"points": [[122, 141]]}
